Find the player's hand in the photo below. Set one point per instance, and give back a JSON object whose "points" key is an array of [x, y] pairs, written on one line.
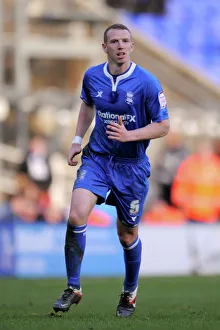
{"points": [[117, 131], [75, 149]]}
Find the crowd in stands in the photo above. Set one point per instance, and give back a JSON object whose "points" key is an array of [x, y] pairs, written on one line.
{"points": [[32, 202], [188, 183], [187, 187]]}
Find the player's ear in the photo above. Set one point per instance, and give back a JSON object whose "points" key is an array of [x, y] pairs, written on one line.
{"points": [[132, 46], [104, 48]]}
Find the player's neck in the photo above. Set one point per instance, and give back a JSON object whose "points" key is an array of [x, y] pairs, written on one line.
{"points": [[116, 69]]}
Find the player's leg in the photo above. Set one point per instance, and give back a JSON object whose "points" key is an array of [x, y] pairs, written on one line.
{"points": [[90, 187], [132, 246], [82, 203], [129, 188]]}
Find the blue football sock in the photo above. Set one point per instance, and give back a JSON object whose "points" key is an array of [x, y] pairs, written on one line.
{"points": [[74, 250], [132, 258]]}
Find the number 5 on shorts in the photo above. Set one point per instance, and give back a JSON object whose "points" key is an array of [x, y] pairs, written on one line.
{"points": [[134, 206]]}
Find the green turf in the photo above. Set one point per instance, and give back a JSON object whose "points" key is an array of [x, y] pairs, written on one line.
{"points": [[163, 303]]}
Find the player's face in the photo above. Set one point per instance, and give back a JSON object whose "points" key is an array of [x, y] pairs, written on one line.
{"points": [[118, 46]]}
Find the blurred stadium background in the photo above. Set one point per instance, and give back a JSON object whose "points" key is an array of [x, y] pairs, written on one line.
{"points": [[45, 47]]}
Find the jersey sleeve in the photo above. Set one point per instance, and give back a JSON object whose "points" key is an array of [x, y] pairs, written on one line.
{"points": [[156, 102], [85, 92]]}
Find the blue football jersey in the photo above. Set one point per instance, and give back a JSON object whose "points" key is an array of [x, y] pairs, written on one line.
{"points": [[136, 95]]}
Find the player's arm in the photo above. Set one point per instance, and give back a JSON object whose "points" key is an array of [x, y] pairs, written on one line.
{"points": [[117, 131], [151, 131], [86, 116]]}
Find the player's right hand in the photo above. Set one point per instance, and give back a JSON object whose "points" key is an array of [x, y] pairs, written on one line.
{"points": [[74, 150]]}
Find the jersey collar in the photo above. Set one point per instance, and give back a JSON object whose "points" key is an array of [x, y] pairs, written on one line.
{"points": [[120, 77]]}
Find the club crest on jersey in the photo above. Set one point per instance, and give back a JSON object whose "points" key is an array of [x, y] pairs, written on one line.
{"points": [[162, 100], [129, 99]]}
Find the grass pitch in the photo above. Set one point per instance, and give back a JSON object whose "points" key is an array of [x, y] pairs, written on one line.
{"points": [[163, 303]]}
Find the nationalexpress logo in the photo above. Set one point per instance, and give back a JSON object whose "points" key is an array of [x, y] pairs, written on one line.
{"points": [[108, 117]]}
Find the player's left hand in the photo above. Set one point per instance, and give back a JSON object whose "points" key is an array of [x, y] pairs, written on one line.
{"points": [[117, 131]]}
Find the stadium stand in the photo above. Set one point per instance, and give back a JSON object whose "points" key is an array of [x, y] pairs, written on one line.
{"points": [[189, 30]]}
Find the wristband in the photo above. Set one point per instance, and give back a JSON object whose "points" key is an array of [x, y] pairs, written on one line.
{"points": [[77, 139]]}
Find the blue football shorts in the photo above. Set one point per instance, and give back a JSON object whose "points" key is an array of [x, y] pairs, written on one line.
{"points": [[121, 182]]}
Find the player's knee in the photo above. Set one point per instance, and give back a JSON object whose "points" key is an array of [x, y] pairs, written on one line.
{"points": [[77, 218], [126, 238]]}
